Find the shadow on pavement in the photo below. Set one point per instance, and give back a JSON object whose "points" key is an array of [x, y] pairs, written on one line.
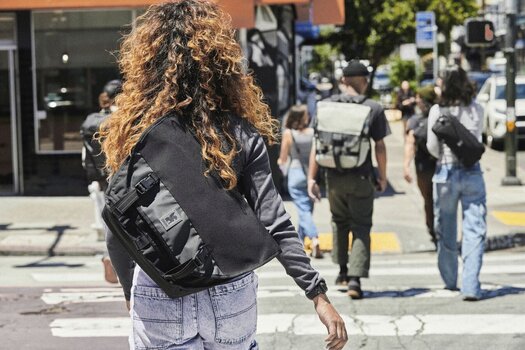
{"points": [[501, 292], [44, 263], [392, 293], [59, 230]]}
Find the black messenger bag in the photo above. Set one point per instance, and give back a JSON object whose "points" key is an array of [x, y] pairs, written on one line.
{"points": [[459, 139], [181, 227]]}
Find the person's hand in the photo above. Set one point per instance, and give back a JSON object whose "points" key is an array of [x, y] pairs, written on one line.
{"points": [[128, 305], [408, 175], [337, 335], [381, 185], [313, 191]]}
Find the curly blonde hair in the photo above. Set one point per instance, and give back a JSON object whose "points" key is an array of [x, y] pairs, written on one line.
{"points": [[182, 57]]}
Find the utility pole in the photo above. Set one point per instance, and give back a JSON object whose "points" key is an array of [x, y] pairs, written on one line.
{"points": [[511, 144]]}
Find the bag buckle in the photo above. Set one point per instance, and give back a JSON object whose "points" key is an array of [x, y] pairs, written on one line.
{"points": [[201, 257], [147, 183]]}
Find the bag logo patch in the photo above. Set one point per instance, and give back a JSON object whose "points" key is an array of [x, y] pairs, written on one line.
{"points": [[169, 220]]}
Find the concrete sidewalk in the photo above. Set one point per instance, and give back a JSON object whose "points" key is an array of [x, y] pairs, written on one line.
{"points": [[62, 225]]}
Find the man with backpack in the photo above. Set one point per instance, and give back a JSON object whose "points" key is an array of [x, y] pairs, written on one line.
{"points": [[345, 125], [93, 162]]}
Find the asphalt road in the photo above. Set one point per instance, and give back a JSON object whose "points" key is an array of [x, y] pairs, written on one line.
{"points": [[62, 303]]}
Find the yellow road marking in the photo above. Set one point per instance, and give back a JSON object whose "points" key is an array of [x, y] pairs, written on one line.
{"points": [[510, 218], [381, 242]]}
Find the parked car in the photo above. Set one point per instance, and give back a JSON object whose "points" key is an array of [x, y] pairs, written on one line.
{"points": [[479, 78], [492, 97], [381, 81]]}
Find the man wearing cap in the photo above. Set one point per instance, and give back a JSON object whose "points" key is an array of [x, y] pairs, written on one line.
{"points": [[351, 192]]}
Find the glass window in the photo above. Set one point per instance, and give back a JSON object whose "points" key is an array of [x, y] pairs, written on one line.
{"points": [[75, 55], [7, 28], [501, 91]]}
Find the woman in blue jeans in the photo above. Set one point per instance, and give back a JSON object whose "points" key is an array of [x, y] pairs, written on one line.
{"points": [[182, 58], [454, 184], [297, 143]]}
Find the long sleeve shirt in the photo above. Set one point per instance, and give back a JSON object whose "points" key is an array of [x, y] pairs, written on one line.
{"points": [[470, 116], [255, 182]]}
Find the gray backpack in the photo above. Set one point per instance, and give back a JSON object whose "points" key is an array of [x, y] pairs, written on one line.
{"points": [[342, 139]]}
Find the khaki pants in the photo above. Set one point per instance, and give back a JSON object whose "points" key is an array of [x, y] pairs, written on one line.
{"points": [[351, 200]]}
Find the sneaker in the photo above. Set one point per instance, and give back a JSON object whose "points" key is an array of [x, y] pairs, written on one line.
{"points": [[470, 298], [316, 252], [354, 288], [342, 279]]}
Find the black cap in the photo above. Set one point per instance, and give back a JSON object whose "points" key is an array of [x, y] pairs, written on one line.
{"points": [[113, 88], [355, 69]]}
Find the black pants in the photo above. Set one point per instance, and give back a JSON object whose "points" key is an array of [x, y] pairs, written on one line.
{"points": [[424, 182]]}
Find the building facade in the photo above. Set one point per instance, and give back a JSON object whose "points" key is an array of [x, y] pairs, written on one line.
{"points": [[55, 57]]}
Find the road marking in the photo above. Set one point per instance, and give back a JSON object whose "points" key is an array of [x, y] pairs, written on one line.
{"points": [[83, 297], [68, 277], [510, 218], [100, 295], [370, 325], [381, 242], [405, 271]]}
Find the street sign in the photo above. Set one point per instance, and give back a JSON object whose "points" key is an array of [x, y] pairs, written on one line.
{"points": [[307, 30], [425, 31]]}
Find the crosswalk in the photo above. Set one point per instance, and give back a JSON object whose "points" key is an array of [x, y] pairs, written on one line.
{"points": [[395, 281]]}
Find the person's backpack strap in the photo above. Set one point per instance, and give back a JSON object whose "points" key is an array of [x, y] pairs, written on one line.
{"points": [[299, 154]]}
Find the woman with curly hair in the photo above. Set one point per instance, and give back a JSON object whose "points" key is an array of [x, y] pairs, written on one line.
{"points": [[182, 58]]}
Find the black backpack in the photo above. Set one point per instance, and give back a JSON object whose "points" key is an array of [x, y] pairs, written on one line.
{"points": [[184, 229], [95, 159], [459, 139]]}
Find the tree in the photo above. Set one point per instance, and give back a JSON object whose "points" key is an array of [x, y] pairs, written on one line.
{"points": [[375, 28], [402, 70]]}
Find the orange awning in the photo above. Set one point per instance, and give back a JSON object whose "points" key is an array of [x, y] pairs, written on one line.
{"points": [[242, 11], [328, 11]]}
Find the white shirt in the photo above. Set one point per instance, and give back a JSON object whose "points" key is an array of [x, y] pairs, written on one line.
{"points": [[470, 116]]}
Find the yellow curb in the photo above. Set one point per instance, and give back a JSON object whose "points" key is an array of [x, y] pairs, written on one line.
{"points": [[510, 218], [381, 242]]}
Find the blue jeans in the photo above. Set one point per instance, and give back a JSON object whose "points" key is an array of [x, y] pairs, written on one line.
{"points": [[454, 184], [223, 317], [297, 187]]}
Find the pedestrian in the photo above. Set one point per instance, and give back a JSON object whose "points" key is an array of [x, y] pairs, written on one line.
{"points": [[351, 191], [182, 58], [416, 150], [93, 161], [455, 183], [406, 102], [297, 142]]}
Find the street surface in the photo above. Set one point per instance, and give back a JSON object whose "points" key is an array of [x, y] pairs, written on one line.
{"points": [[63, 303]]}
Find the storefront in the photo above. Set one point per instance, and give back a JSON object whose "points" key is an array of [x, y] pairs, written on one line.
{"points": [[55, 57]]}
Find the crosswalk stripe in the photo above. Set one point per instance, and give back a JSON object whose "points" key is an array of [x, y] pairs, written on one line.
{"points": [[406, 271], [274, 270], [102, 295], [299, 324]]}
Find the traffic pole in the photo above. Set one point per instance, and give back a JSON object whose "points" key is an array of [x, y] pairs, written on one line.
{"points": [[511, 143]]}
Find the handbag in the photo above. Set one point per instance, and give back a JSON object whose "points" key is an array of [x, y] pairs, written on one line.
{"points": [[459, 139]]}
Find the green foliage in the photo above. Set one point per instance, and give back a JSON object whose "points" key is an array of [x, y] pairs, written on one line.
{"points": [[402, 70], [322, 59], [374, 28]]}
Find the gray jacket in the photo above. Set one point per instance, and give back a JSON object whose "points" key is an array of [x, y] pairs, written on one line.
{"points": [[255, 182]]}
